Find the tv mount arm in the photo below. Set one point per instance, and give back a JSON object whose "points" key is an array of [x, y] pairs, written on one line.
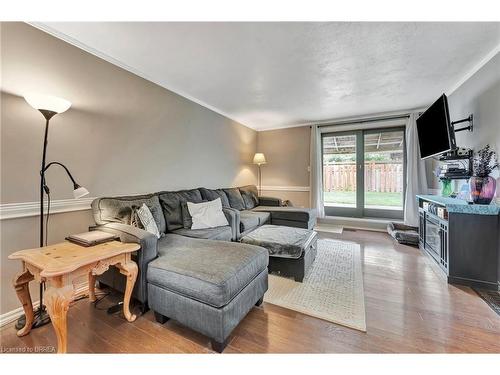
{"points": [[467, 119]]}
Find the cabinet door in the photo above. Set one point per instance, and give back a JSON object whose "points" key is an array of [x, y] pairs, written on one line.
{"points": [[443, 235], [421, 229]]}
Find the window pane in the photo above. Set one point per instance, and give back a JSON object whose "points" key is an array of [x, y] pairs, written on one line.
{"points": [[339, 170], [384, 174]]}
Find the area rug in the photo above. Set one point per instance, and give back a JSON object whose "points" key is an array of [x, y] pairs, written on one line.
{"points": [[332, 290], [491, 297]]}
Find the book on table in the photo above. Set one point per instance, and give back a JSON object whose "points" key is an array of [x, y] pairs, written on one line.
{"points": [[91, 238]]}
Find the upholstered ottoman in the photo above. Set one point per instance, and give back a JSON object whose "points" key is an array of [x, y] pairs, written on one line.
{"points": [[291, 250], [206, 285]]}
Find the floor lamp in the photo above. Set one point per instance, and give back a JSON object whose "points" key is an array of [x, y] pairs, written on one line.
{"points": [[259, 159], [49, 106]]}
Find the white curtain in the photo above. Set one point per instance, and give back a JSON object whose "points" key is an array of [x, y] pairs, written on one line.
{"points": [[416, 178], [316, 175]]}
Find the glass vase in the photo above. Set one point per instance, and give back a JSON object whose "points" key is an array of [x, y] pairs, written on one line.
{"points": [[446, 188], [482, 189]]}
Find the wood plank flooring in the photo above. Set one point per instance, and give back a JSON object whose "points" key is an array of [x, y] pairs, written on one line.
{"points": [[409, 309]]}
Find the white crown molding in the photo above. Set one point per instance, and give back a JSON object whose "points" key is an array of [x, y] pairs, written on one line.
{"points": [[474, 70], [286, 188], [74, 42], [338, 120], [26, 209]]}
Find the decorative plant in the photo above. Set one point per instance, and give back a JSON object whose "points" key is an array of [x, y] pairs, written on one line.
{"points": [[485, 161], [446, 189]]}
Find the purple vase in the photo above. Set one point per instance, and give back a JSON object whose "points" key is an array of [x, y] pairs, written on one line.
{"points": [[482, 189]]}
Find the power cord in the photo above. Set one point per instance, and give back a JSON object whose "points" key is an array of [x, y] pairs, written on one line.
{"points": [[96, 302]]}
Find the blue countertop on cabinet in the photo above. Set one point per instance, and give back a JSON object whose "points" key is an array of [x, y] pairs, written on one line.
{"points": [[454, 205]]}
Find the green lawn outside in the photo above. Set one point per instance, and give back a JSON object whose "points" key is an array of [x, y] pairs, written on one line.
{"points": [[372, 198]]}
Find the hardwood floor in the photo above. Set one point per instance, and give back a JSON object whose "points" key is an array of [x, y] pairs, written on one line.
{"points": [[409, 309]]}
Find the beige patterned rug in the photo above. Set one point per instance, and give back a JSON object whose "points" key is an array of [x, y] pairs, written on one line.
{"points": [[332, 290]]}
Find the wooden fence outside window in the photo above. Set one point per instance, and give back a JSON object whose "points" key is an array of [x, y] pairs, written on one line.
{"points": [[386, 177]]}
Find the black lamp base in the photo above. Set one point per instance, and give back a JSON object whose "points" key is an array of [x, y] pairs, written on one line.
{"points": [[40, 319]]}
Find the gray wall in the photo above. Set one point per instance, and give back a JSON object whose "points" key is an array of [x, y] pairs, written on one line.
{"points": [[479, 95], [122, 135], [287, 155]]}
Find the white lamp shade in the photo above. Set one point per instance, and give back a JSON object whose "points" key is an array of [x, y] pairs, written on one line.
{"points": [[259, 158], [80, 192], [48, 103]]}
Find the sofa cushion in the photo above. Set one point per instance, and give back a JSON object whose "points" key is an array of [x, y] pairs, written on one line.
{"points": [[210, 195], [220, 233], [212, 272], [120, 209], [250, 196], [248, 221], [171, 205], [235, 199], [288, 213]]}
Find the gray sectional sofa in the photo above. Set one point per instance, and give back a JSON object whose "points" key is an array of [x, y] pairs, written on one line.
{"points": [[203, 278]]}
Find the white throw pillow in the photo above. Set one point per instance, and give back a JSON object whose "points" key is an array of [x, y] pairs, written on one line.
{"points": [[147, 220], [207, 214]]}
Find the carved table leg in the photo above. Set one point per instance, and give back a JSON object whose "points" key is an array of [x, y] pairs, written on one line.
{"points": [[58, 300], [129, 269], [21, 284], [92, 287]]}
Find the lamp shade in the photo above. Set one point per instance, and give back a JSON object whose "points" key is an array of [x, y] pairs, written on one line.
{"points": [[259, 158], [48, 103], [80, 192]]}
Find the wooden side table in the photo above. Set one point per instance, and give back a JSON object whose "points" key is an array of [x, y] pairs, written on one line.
{"points": [[60, 266]]}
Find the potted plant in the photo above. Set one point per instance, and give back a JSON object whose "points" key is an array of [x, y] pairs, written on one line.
{"points": [[482, 185]]}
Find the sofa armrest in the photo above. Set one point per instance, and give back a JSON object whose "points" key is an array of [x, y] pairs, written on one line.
{"points": [[129, 233], [233, 218], [270, 201]]}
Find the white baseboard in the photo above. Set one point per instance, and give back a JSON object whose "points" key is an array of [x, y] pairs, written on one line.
{"points": [[13, 315], [377, 225]]}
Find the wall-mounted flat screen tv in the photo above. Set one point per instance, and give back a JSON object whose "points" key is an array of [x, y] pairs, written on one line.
{"points": [[435, 131]]}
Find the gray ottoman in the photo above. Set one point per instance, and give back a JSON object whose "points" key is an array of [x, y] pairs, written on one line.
{"points": [[291, 250], [206, 285]]}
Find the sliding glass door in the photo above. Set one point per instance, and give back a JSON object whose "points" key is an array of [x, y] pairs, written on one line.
{"points": [[364, 173], [341, 161]]}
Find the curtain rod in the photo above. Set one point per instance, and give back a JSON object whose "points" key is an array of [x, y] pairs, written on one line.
{"points": [[372, 119]]}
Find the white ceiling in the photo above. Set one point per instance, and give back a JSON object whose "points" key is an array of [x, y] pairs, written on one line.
{"points": [[272, 75]]}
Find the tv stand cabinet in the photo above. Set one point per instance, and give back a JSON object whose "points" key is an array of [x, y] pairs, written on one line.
{"points": [[462, 239]]}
